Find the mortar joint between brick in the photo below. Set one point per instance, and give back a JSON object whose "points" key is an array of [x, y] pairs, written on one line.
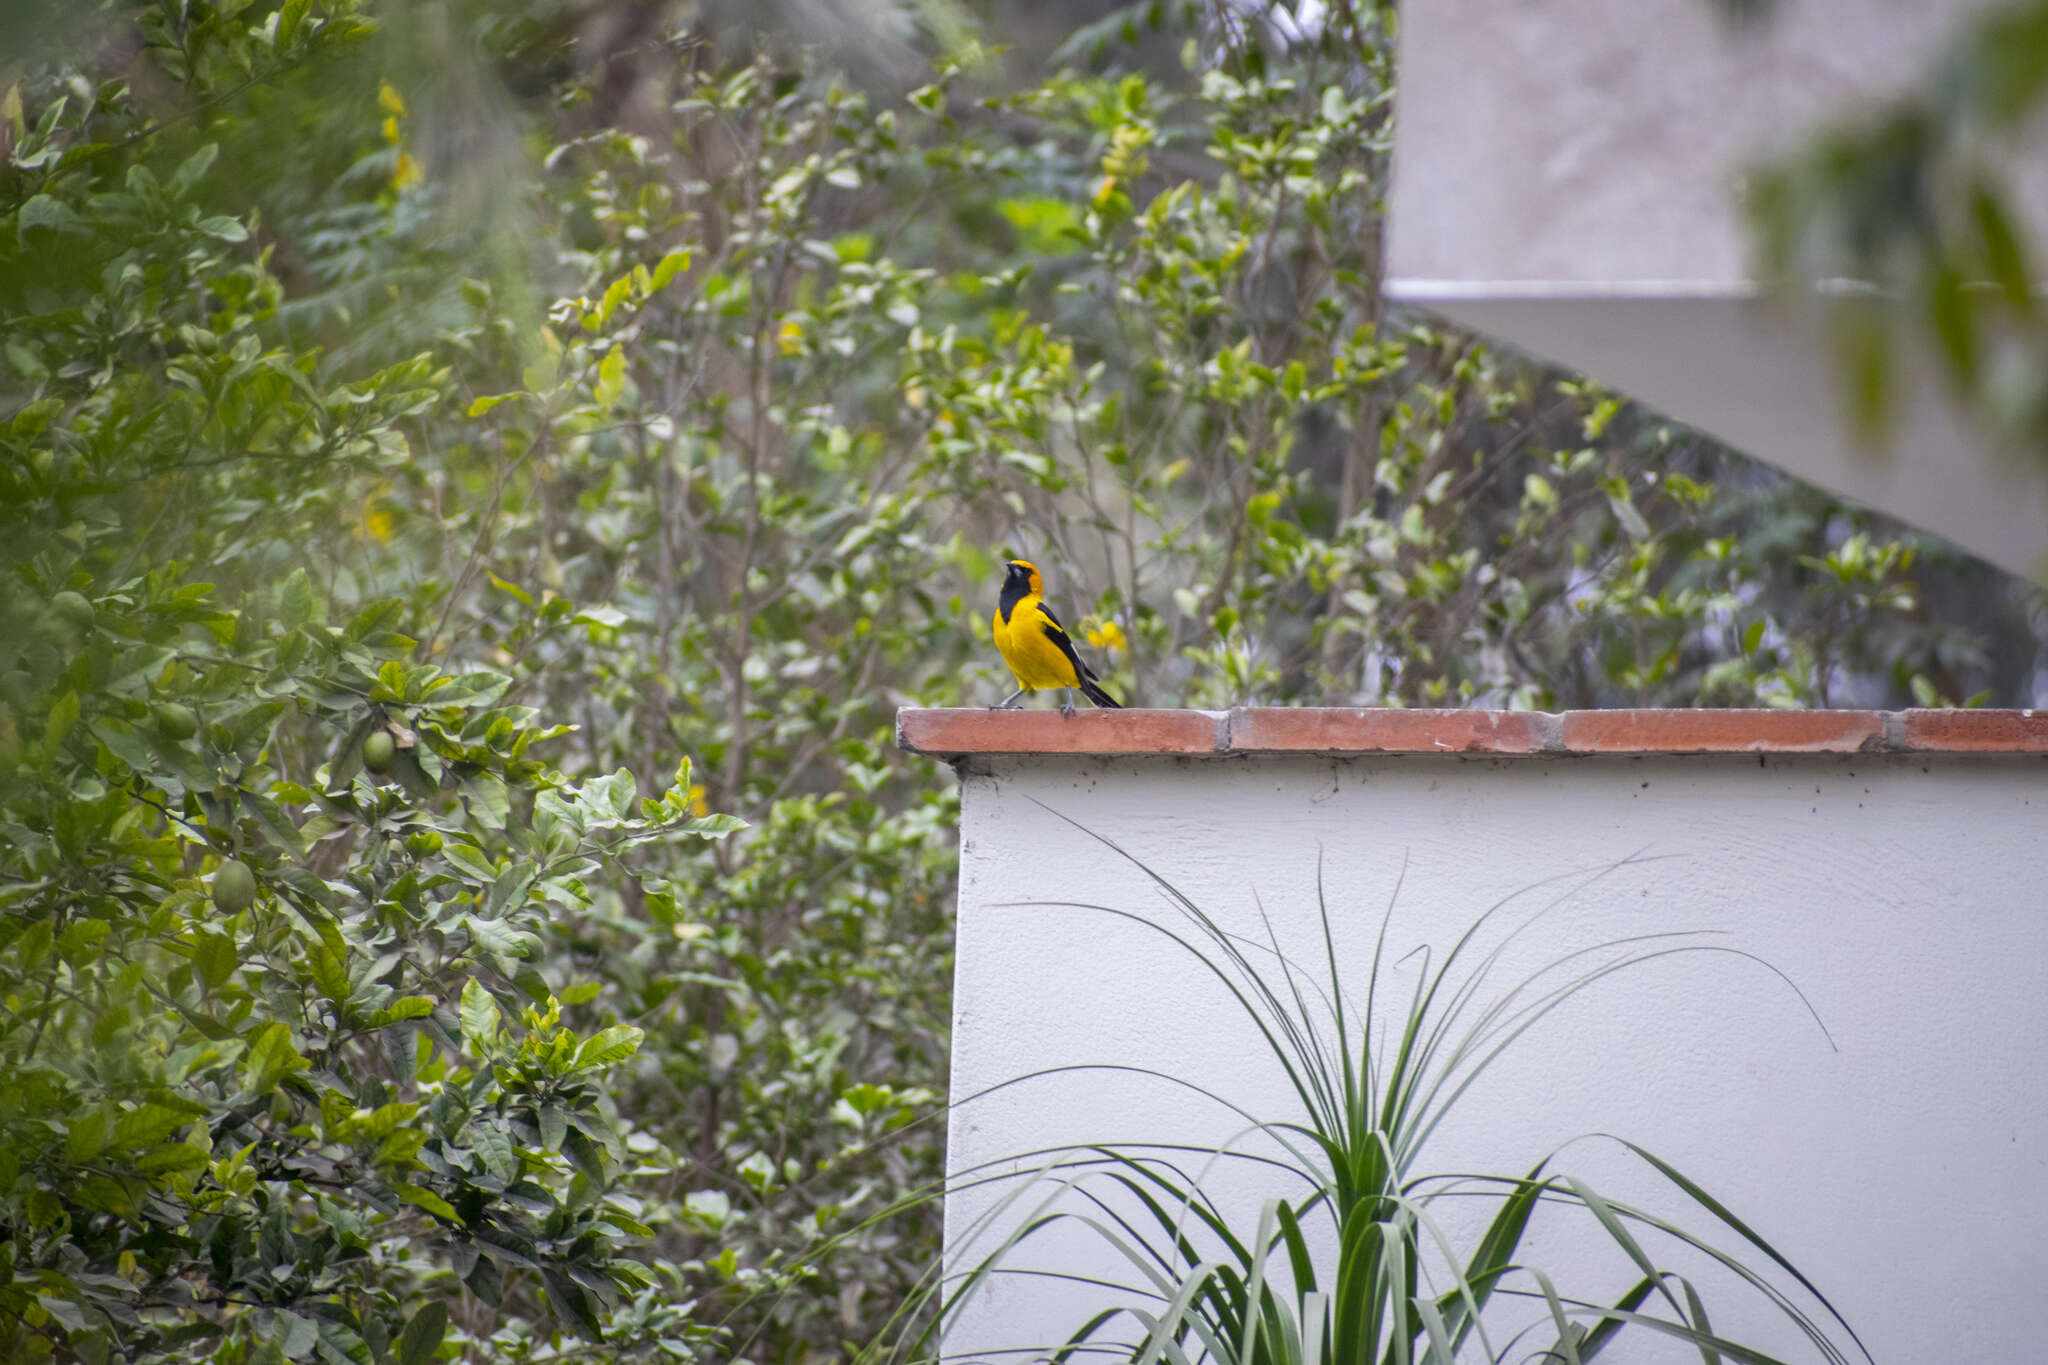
{"points": [[1891, 726], [1546, 732]]}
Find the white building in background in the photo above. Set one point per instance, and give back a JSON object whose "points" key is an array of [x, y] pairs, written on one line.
{"points": [[1567, 177]]}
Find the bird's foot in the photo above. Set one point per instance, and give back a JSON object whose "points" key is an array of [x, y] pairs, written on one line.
{"points": [[1066, 702]]}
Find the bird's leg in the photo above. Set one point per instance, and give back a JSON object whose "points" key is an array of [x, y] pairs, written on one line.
{"points": [[1007, 702], [1066, 701]]}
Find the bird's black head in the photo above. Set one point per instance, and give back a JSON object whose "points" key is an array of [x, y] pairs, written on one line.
{"points": [[1020, 579]]}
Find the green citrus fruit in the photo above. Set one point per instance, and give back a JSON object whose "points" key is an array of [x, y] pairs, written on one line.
{"points": [[234, 887], [379, 751], [174, 721], [72, 607]]}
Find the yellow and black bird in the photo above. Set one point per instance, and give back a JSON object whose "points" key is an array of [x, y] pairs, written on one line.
{"points": [[1035, 644]]}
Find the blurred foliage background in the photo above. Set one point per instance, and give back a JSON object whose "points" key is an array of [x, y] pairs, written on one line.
{"points": [[425, 429]]}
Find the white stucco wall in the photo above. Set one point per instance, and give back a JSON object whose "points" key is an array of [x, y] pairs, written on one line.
{"points": [[1596, 142], [1907, 1172], [1567, 178]]}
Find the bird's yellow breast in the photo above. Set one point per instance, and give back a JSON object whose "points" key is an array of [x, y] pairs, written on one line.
{"points": [[1030, 653]]}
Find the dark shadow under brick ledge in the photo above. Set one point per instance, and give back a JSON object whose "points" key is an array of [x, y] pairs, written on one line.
{"points": [[1481, 734]]}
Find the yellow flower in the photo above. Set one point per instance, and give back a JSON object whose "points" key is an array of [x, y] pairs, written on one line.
{"points": [[699, 806], [790, 337], [375, 523], [1104, 635], [406, 172], [390, 126], [389, 100]]}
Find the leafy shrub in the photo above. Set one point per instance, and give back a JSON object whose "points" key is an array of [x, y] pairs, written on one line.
{"points": [[554, 402]]}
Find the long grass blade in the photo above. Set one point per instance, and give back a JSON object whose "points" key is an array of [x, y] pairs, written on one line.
{"points": [[1565, 1350], [1742, 1229], [1606, 1330]]}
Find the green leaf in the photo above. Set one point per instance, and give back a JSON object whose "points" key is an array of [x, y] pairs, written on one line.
{"points": [[87, 1136], [1631, 520], [327, 964], [224, 228], [865, 1099], [405, 1007], [480, 1016], [611, 378], [213, 955], [2003, 255], [146, 1124], [513, 590], [288, 20], [175, 1156], [608, 1046], [1949, 308], [1864, 364], [489, 802], [485, 1281], [603, 615], [295, 1334], [584, 1155], [489, 1140], [426, 1199], [670, 266], [470, 859], [618, 791], [615, 294], [271, 1056], [423, 1334], [275, 822], [193, 169], [42, 211], [62, 718], [295, 600], [33, 418], [2003, 63]]}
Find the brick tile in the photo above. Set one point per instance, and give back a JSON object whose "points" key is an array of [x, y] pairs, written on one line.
{"points": [[2024, 732], [1353, 730], [981, 731], [1717, 731]]}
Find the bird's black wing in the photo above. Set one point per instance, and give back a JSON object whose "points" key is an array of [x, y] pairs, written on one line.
{"points": [[1057, 633]]}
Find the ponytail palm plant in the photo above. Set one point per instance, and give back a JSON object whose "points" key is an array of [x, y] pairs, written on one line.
{"points": [[1375, 1078]]}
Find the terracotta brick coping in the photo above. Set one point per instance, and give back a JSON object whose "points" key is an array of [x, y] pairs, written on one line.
{"points": [[1488, 734]]}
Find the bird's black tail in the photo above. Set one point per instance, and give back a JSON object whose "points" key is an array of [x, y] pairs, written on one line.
{"points": [[1093, 692]]}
